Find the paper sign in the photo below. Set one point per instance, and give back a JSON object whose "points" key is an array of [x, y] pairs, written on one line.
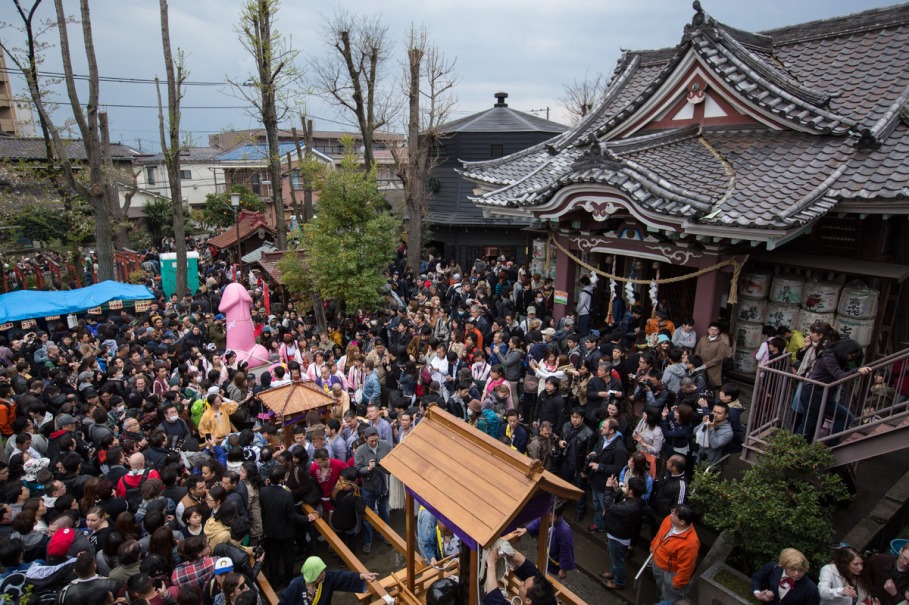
{"points": [[115, 304], [52, 317], [29, 323], [5, 327], [143, 305], [95, 311], [560, 297]]}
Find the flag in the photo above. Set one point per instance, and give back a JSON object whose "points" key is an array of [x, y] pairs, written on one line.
{"points": [[266, 294]]}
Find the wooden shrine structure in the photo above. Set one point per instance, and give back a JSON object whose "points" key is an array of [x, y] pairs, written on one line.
{"points": [[480, 488], [291, 402]]}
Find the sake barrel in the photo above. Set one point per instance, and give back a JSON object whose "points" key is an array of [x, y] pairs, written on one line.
{"points": [[753, 310], [748, 334], [806, 318], [744, 360], [858, 301], [859, 330], [820, 296], [782, 314], [787, 289], [754, 285]]}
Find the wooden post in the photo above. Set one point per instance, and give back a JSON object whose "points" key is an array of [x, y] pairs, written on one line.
{"points": [[474, 583], [543, 543], [411, 539]]}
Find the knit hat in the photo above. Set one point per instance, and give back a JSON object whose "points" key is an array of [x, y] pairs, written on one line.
{"points": [[312, 569], [223, 565], [663, 338], [60, 542]]}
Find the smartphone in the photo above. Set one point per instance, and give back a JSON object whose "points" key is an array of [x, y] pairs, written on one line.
{"points": [[208, 435], [710, 416]]}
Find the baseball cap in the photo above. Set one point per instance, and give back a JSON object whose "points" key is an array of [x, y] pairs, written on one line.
{"points": [[223, 565], [531, 309], [65, 419], [60, 542]]}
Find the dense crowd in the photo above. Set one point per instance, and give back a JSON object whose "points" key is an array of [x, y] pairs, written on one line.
{"points": [[142, 466]]}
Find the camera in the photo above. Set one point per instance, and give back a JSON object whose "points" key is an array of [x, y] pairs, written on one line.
{"points": [[710, 416], [258, 549]]}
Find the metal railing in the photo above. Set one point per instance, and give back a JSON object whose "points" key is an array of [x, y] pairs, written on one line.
{"points": [[836, 414]]}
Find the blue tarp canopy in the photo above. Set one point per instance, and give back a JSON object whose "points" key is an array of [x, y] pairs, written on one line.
{"points": [[29, 304]]}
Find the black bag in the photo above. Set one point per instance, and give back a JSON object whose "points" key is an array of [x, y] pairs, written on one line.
{"points": [[134, 494], [241, 416], [379, 483]]}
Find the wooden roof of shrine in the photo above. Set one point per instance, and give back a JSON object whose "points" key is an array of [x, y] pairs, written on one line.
{"points": [[295, 398], [474, 481]]}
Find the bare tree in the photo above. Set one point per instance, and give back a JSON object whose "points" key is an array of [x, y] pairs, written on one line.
{"points": [[350, 75], [580, 97], [176, 75], [428, 82], [97, 191], [272, 90]]}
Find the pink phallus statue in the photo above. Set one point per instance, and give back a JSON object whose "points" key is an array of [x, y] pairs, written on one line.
{"points": [[235, 304]]}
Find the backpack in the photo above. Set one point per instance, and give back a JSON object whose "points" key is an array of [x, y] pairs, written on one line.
{"points": [[134, 494], [738, 433], [198, 408]]}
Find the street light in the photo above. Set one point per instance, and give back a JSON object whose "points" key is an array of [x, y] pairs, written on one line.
{"points": [[235, 204]]}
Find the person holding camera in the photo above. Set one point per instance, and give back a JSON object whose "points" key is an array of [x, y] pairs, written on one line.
{"points": [[605, 461], [375, 479], [719, 433]]}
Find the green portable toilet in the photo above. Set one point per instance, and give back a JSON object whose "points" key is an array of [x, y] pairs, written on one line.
{"points": [[169, 272]]}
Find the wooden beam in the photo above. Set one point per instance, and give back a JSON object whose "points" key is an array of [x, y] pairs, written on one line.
{"points": [[411, 539], [389, 534], [473, 584], [265, 589], [349, 558]]}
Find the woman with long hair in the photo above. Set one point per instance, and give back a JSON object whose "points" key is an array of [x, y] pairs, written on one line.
{"points": [[841, 581], [163, 544], [648, 435], [89, 495], [126, 526], [249, 475]]}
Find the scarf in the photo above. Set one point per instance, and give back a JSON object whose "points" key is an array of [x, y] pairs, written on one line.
{"points": [[345, 485]]}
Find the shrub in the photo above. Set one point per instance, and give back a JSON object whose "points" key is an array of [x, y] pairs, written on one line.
{"points": [[785, 500]]}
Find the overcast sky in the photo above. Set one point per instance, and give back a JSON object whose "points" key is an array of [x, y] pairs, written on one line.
{"points": [[530, 50]]}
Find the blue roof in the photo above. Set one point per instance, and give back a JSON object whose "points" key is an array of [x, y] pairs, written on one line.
{"points": [[259, 152], [28, 304]]}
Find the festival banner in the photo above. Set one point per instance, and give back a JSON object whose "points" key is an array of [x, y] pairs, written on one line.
{"points": [[560, 297]]}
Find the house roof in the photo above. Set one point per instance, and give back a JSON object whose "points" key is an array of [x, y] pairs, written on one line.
{"points": [[187, 154], [474, 481], [255, 255], [295, 398], [269, 263], [33, 149], [250, 223], [501, 118], [258, 153], [825, 105]]}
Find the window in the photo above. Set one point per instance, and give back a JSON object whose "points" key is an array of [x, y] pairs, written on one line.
{"points": [[441, 151], [186, 175], [256, 183], [150, 175], [496, 151], [295, 182]]}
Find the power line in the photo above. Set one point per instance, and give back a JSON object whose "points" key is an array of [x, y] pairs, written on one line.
{"points": [[116, 79]]}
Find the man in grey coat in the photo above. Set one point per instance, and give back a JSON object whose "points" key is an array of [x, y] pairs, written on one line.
{"points": [[719, 433], [375, 479]]}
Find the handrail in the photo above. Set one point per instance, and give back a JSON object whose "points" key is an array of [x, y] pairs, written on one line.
{"points": [[853, 404]]}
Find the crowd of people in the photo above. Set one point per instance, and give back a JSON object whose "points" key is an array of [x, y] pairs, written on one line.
{"points": [[141, 465]]}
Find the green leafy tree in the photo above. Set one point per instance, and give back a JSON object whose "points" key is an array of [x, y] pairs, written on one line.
{"points": [[785, 500], [349, 241], [217, 211], [159, 218]]}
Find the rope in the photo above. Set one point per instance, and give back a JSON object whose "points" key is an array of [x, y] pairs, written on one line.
{"points": [[733, 284]]}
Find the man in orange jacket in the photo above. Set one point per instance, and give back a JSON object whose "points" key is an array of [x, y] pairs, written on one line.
{"points": [[675, 552], [7, 409]]}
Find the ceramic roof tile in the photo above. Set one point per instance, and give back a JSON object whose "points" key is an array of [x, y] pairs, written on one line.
{"points": [[20, 148]]}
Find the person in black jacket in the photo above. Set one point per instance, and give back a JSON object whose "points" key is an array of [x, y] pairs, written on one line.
{"points": [[624, 508], [605, 461], [601, 389], [669, 492], [577, 440], [239, 531], [279, 519], [550, 405], [786, 579], [88, 587]]}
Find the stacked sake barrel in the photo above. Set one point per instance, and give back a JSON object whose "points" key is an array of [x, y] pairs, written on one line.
{"points": [[754, 289], [856, 311], [819, 300]]}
